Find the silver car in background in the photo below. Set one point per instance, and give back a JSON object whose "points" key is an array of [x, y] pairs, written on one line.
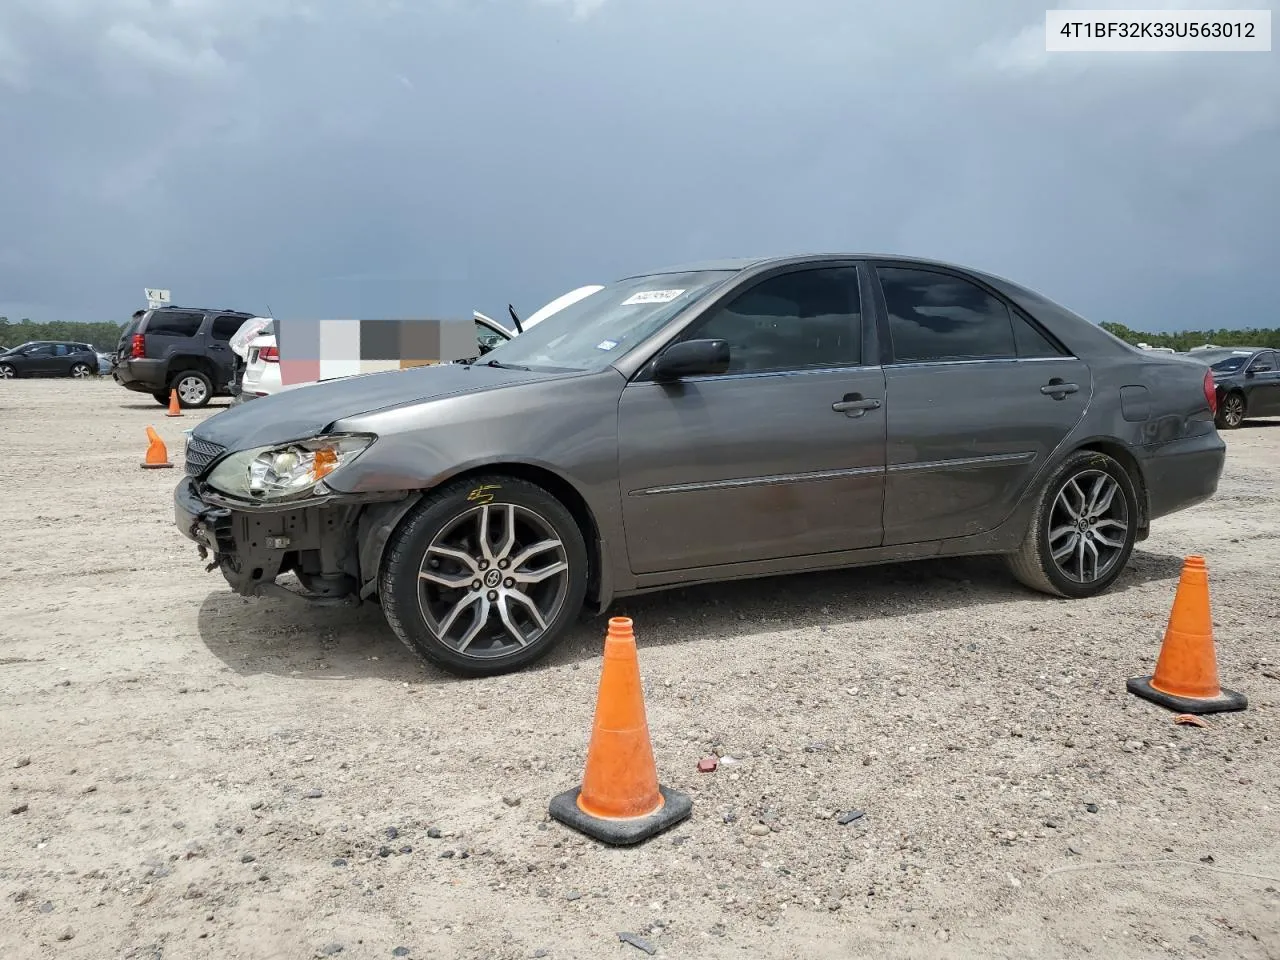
{"points": [[703, 423]]}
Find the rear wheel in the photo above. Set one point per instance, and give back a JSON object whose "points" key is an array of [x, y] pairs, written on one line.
{"points": [[194, 388], [7, 372], [1083, 529], [1231, 413], [484, 576]]}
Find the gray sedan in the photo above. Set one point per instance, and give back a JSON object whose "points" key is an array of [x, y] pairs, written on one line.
{"points": [[708, 422]]}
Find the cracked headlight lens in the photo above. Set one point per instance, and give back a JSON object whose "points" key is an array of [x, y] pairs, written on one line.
{"points": [[285, 470]]}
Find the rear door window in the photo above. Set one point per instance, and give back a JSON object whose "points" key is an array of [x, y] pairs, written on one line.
{"points": [[938, 317], [174, 324]]}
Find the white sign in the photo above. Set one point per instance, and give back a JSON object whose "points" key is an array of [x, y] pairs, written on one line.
{"points": [[652, 296], [156, 298]]}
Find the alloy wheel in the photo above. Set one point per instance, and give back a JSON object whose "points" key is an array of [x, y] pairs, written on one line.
{"points": [[493, 579], [80, 371], [6, 373], [1088, 526], [1233, 410], [191, 390]]}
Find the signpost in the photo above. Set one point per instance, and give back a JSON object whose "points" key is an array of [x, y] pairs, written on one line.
{"points": [[156, 298]]}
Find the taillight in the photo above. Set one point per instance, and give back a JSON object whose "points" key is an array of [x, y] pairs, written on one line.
{"points": [[1210, 392], [269, 354], [138, 348]]}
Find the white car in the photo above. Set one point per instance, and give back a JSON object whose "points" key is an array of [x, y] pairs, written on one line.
{"points": [[262, 356]]}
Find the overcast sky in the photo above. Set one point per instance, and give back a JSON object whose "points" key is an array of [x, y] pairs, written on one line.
{"points": [[390, 158]]}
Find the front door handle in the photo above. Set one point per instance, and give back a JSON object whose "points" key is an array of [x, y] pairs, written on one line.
{"points": [[1058, 388], [854, 405]]}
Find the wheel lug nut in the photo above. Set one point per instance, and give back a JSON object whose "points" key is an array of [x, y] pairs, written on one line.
{"points": [[475, 584], [483, 564], [493, 594], [502, 564], [508, 583]]}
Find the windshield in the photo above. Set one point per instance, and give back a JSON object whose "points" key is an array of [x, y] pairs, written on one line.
{"points": [[1227, 362], [595, 331]]}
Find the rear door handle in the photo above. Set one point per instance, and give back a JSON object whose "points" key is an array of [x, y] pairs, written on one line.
{"points": [[854, 405], [1058, 389]]}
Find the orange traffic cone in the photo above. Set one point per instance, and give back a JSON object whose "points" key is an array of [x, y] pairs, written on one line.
{"points": [[620, 801], [157, 454], [175, 408], [1186, 677]]}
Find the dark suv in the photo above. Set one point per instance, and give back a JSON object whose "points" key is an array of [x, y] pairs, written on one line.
{"points": [[180, 348], [49, 358]]}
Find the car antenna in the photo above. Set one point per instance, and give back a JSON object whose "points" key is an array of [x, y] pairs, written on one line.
{"points": [[514, 319]]}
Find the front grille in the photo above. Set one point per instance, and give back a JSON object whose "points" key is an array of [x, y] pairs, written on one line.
{"points": [[201, 453]]}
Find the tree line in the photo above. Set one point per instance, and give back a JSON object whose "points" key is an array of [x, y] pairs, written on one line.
{"points": [[105, 336], [101, 336], [1186, 339]]}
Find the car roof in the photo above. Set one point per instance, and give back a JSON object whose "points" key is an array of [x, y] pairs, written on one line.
{"points": [[736, 264], [237, 313]]}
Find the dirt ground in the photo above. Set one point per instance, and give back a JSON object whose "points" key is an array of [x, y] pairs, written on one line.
{"points": [[194, 775]]}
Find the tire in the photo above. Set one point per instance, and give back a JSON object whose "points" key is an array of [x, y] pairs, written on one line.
{"points": [[433, 619], [81, 371], [194, 389], [1232, 412], [1034, 564], [7, 372]]}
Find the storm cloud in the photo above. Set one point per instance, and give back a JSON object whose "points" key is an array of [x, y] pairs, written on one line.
{"points": [[397, 158]]}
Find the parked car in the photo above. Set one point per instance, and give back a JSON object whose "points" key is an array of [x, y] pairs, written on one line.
{"points": [[708, 422], [49, 358], [261, 376], [105, 362], [179, 348], [1247, 382]]}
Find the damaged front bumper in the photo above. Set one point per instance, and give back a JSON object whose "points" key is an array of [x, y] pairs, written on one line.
{"points": [[333, 544]]}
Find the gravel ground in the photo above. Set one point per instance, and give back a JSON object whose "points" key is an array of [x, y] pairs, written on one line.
{"points": [[193, 775]]}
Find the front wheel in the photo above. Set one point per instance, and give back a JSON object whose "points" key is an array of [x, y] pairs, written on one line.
{"points": [[1083, 529], [484, 576], [1231, 413], [80, 370]]}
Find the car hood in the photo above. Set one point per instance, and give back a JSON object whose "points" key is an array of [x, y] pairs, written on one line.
{"points": [[308, 410]]}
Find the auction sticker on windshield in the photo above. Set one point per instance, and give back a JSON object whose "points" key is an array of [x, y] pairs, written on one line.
{"points": [[652, 296], [606, 344]]}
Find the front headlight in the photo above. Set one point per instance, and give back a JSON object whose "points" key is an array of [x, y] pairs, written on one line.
{"points": [[287, 470]]}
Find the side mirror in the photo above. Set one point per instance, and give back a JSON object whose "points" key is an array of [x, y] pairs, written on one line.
{"points": [[692, 358]]}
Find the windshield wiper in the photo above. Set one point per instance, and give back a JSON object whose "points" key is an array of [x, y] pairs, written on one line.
{"points": [[505, 366]]}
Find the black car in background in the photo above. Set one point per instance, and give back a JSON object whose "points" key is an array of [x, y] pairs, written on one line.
{"points": [[1247, 381], [186, 349], [49, 358]]}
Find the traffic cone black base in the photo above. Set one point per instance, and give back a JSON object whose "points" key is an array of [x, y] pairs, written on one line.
{"points": [[1227, 702], [676, 808]]}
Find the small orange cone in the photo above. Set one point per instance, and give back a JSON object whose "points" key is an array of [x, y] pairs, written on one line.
{"points": [[175, 408], [620, 801], [1186, 677], [157, 454]]}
